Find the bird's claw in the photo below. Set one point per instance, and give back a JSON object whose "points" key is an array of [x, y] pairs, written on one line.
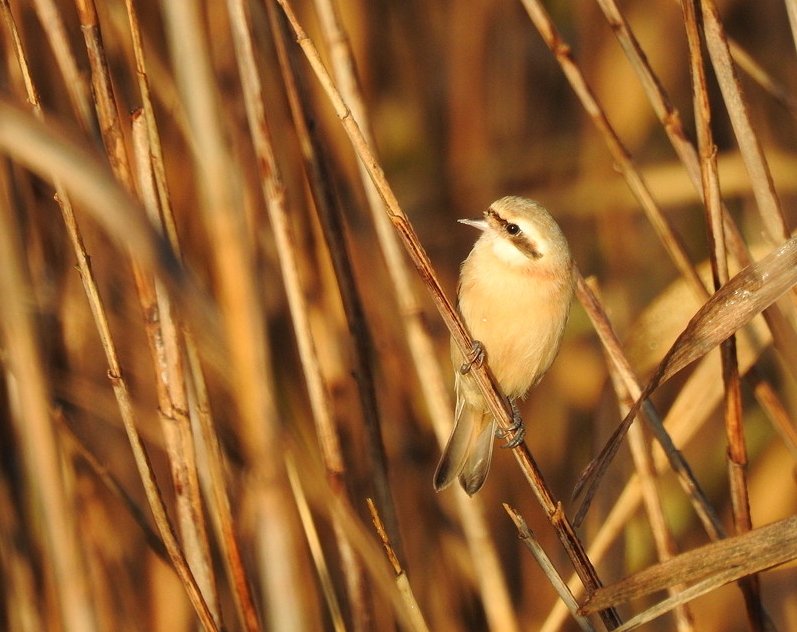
{"points": [[515, 441], [516, 427], [475, 358]]}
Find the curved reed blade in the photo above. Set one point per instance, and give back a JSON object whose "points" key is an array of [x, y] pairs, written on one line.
{"points": [[734, 305]]}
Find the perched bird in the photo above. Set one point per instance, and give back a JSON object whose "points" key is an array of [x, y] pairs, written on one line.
{"points": [[514, 294]]}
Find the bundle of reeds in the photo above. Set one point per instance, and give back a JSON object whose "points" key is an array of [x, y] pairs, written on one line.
{"points": [[227, 265]]}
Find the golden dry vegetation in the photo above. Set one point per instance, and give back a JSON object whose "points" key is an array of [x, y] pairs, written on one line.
{"points": [[216, 349]]}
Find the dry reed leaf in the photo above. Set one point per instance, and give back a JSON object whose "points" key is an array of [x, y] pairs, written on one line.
{"points": [[713, 565], [734, 305]]}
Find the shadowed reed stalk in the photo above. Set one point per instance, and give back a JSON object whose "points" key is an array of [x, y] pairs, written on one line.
{"points": [[533, 545], [402, 582]]}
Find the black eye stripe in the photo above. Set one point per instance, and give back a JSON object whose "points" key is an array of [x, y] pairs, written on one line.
{"points": [[512, 229], [522, 242]]}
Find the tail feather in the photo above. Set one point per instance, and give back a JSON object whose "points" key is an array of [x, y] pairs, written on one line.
{"points": [[477, 462], [469, 449], [456, 451]]}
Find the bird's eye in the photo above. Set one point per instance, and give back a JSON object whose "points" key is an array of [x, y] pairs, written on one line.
{"points": [[512, 229]]}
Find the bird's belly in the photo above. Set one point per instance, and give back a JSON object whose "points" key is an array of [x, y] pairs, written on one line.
{"points": [[520, 323]]}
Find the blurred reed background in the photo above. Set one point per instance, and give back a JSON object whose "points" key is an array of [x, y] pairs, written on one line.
{"points": [[215, 350]]}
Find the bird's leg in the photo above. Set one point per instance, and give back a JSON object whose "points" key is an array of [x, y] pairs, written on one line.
{"points": [[475, 357], [516, 426]]}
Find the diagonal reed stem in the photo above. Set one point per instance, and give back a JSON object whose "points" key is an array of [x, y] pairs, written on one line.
{"points": [[497, 404]]}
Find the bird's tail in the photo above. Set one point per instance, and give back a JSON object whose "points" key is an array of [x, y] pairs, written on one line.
{"points": [[468, 453]]}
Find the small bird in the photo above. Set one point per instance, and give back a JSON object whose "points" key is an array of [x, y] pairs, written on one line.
{"points": [[514, 294]]}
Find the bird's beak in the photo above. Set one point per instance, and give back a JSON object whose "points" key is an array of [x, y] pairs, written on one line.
{"points": [[480, 223]]}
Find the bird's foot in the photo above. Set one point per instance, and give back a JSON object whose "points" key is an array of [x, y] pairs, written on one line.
{"points": [[516, 426], [474, 358]]}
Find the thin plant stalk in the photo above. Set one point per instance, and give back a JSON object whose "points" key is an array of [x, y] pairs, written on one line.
{"points": [[402, 582], [764, 79], [643, 465], [662, 535], [613, 350], [107, 478], [155, 148], [75, 83], [770, 402], [278, 529], [316, 550], [333, 509], [533, 545], [342, 64], [791, 11], [758, 169]]}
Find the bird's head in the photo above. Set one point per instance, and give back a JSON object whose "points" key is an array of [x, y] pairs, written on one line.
{"points": [[522, 233]]}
